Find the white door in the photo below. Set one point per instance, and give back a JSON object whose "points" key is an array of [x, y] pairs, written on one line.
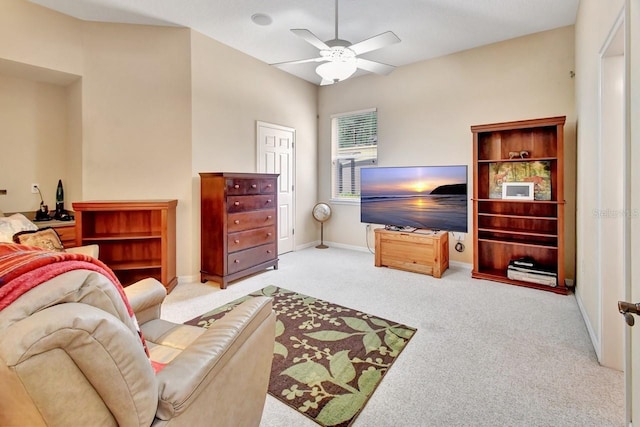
{"points": [[275, 154]]}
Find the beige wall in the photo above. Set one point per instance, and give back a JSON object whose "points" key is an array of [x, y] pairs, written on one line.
{"points": [[73, 185], [136, 100], [425, 112], [231, 91], [33, 117], [136, 118], [31, 34]]}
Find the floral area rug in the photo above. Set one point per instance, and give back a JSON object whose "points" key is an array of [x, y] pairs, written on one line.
{"points": [[327, 359]]}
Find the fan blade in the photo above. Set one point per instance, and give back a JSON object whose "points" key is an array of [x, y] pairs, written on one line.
{"points": [[311, 38], [301, 61], [375, 42], [374, 67]]}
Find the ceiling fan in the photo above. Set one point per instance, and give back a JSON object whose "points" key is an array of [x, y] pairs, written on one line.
{"points": [[340, 58]]}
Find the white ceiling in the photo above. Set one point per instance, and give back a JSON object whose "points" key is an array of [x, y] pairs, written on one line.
{"points": [[427, 28]]}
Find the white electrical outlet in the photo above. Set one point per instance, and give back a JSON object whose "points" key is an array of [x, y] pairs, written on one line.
{"points": [[34, 188], [458, 236]]}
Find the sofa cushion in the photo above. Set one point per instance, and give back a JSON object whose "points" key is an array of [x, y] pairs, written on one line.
{"points": [[46, 238], [13, 224]]}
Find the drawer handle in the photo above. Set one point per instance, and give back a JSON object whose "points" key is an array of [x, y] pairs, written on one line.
{"points": [[269, 216], [269, 234], [237, 221], [268, 251], [236, 261], [236, 241], [254, 186], [269, 201], [268, 185], [236, 186], [236, 203]]}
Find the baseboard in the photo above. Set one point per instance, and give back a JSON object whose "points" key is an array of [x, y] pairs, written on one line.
{"points": [[307, 245], [465, 265], [188, 279], [343, 246], [594, 339]]}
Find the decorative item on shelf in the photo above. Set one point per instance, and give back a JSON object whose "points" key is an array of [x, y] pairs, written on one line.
{"points": [[321, 213], [42, 214], [61, 214], [518, 154], [536, 172]]}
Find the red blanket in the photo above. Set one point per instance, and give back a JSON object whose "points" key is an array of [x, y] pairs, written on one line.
{"points": [[24, 267]]}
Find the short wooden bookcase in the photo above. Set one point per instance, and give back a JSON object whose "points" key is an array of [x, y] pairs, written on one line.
{"points": [[137, 238]]}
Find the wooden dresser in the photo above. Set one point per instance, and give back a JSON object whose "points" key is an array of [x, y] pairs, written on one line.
{"points": [[413, 251], [238, 225], [137, 238]]}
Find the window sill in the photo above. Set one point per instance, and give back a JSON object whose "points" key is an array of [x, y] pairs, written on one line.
{"points": [[353, 202]]}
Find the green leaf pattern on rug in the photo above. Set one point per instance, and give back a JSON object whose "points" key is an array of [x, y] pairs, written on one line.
{"points": [[277, 347], [328, 359], [343, 407]]}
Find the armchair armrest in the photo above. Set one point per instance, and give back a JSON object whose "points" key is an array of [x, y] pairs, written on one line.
{"points": [[225, 372], [145, 298]]}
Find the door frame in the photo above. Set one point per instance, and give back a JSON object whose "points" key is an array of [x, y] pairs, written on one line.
{"points": [[623, 23], [612, 120]]}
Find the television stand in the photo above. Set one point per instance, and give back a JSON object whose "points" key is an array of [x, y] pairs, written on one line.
{"points": [[412, 251]]}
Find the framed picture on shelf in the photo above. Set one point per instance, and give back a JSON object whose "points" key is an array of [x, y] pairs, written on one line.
{"points": [[517, 190], [537, 173]]}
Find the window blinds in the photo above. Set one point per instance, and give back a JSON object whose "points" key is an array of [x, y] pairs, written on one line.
{"points": [[354, 145]]}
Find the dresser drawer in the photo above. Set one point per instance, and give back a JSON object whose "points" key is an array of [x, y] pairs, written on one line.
{"points": [[247, 220], [250, 238], [242, 186], [242, 260], [249, 203]]}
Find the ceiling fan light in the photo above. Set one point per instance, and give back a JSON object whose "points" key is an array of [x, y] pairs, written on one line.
{"points": [[336, 71]]}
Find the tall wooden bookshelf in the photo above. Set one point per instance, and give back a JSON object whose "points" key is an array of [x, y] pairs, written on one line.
{"points": [[506, 229]]}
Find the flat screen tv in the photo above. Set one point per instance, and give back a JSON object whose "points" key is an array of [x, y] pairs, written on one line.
{"points": [[431, 197]]}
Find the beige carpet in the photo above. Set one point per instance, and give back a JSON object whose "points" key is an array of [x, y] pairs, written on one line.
{"points": [[485, 354]]}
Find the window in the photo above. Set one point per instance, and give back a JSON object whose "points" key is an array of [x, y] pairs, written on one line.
{"points": [[354, 144]]}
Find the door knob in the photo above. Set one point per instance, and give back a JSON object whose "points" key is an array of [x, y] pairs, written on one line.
{"points": [[628, 309]]}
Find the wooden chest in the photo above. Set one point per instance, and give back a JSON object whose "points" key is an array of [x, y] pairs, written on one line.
{"points": [[413, 251], [238, 225]]}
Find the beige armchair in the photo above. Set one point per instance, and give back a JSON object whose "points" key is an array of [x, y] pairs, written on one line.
{"points": [[70, 355]]}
